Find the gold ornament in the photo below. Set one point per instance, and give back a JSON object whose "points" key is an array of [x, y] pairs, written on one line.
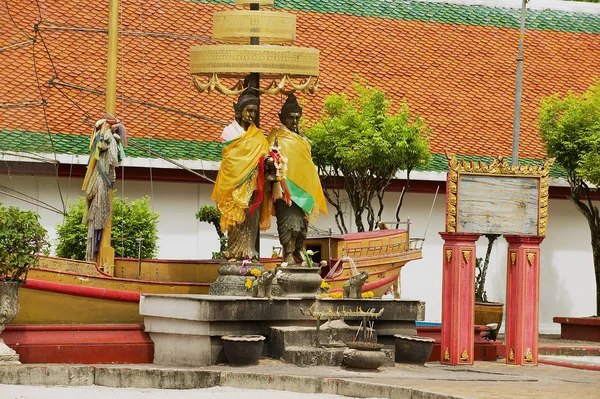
{"points": [[528, 355], [464, 357], [446, 354]]}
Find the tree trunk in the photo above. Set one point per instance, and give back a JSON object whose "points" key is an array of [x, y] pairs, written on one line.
{"points": [[481, 286], [579, 189]]}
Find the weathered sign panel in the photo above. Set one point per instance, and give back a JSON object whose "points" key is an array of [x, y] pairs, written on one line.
{"points": [[498, 198], [498, 204]]}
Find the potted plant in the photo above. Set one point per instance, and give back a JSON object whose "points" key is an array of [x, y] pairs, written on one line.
{"points": [[22, 239], [486, 312]]}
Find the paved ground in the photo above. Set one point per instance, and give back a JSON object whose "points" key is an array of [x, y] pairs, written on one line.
{"points": [[272, 379], [96, 392], [433, 381]]}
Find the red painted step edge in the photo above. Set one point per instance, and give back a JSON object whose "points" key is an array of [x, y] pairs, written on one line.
{"points": [[80, 344], [591, 367]]}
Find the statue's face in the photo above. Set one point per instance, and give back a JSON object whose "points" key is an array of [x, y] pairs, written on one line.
{"points": [[249, 115], [291, 120]]}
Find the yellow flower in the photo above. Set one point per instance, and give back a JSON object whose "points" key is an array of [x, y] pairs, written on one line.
{"points": [[337, 295], [368, 294], [248, 284], [325, 285], [255, 272]]}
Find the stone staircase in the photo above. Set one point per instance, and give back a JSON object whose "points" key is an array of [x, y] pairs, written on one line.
{"points": [[298, 345]]}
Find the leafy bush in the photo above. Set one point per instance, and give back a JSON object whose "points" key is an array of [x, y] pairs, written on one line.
{"points": [[210, 214], [22, 240], [129, 221]]}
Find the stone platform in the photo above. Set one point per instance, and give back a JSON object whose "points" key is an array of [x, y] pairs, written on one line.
{"points": [[187, 329]]}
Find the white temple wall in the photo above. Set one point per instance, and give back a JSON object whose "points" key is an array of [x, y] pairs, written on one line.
{"points": [[567, 285]]}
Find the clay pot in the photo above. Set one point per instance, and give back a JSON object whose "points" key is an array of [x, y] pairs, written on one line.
{"points": [[363, 359], [489, 312], [413, 349], [299, 281], [241, 350]]}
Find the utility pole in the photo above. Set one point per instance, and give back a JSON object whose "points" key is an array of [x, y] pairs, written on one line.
{"points": [[106, 253], [518, 90]]}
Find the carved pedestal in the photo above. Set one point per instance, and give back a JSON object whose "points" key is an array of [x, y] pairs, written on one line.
{"points": [[522, 299], [458, 293], [232, 278]]}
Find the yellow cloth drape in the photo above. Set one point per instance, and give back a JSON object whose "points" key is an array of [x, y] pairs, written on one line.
{"points": [[301, 170], [237, 180]]}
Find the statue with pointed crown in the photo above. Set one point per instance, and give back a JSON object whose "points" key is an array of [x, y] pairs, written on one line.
{"points": [[239, 189], [296, 195]]}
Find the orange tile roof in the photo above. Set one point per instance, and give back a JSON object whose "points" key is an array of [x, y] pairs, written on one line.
{"points": [[459, 76]]}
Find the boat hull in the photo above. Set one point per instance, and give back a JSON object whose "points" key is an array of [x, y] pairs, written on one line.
{"points": [[64, 291]]}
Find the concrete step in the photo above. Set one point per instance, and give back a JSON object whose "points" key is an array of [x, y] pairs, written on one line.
{"points": [[331, 334], [323, 356]]}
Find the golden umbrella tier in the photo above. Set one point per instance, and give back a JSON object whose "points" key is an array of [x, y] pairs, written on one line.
{"points": [[241, 25], [266, 3], [236, 61]]}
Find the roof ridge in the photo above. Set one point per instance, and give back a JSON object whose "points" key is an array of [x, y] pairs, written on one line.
{"points": [[549, 15]]}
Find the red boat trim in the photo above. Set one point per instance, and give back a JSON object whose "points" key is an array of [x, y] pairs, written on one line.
{"points": [[88, 292], [399, 255], [373, 285], [370, 274], [367, 234], [104, 276]]}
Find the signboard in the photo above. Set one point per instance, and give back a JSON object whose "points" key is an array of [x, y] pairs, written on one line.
{"points": [[497, 198]]}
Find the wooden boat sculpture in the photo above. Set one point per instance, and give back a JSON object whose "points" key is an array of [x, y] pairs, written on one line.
{"points": [[63, 291]]}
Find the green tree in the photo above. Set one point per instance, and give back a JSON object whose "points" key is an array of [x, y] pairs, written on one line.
{"points": [[130, 222], [359, 145], [22, 240], [210, 214], [570, 129]]}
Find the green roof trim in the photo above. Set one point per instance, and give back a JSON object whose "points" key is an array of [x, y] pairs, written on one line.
{"points": [[40, 143], [24, 141], [478, 15]]}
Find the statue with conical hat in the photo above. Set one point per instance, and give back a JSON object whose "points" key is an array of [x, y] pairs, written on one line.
{"points": [[296, 195], [239, 189]]}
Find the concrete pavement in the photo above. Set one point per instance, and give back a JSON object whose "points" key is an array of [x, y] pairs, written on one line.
{"points": [[432, 381]]}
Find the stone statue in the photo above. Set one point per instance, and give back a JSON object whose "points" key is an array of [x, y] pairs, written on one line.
{"points": [[106, 153], [295, 190], [239, 187], [353, 287], [262, 288]]}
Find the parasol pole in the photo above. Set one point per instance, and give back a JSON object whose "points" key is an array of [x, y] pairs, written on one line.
{"points": [[106, 253], [518, 90]]}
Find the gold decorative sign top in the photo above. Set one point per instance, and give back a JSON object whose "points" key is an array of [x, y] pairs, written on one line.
{"points": [[497, 198]]}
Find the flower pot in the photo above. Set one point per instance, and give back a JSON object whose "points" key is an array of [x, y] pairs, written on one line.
{"points": [[413, 349], [9, 308], [364, 359], [299, 281], [489, 312], [241, 350]]}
